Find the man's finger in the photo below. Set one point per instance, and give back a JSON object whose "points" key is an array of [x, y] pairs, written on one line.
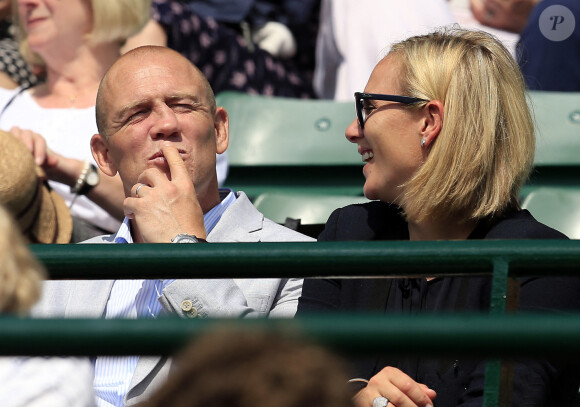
{"points": [[137, 190], [153, 177], [176, 164], [129, 207]]}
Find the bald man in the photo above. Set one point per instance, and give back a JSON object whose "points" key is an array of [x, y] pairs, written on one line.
{"points": [[160, 130]]}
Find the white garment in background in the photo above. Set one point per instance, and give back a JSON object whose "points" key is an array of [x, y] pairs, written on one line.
{"points": [[67, 132], [46, 382], [355, 35]]}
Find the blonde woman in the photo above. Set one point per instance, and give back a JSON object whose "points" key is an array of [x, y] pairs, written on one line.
{"points": [[75, 42], [20, 272], [447, 137], [34, 382]]}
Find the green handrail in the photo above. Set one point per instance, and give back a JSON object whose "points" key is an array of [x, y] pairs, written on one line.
{"points": [[502, 259], [479, 335], [308, 260]]}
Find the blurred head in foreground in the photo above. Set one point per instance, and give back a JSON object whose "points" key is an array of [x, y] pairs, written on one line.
{"points": [[242, 368]]}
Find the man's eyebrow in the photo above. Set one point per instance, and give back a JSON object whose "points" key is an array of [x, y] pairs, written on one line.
{"points": [[186, 96], [122, 112]]}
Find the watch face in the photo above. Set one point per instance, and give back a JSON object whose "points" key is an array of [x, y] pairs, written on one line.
{"points": [[185, 239], [93, 178]]}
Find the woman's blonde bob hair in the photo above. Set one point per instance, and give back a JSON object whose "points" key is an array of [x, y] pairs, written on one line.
{"points": [[113, 21], [20, 272], [485, 150]]}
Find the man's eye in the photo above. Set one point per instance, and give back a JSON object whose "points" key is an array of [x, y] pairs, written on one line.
{"points": [[135, 116], [182, 107]]}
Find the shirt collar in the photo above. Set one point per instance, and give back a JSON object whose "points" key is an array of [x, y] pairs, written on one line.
{"points": [[210, 218]]}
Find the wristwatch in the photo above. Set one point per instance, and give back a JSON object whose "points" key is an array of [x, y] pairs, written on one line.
{"points": [[88, 179], [185, 238]]}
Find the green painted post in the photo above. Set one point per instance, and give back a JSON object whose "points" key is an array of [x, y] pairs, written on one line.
{"points": [[493, 367]]}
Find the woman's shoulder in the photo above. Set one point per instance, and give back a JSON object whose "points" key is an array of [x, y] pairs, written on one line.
{"points": [[522, 225], [374, 220]]}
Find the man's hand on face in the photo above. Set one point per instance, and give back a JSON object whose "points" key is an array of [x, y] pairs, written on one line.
{"points": [[163, 208]]}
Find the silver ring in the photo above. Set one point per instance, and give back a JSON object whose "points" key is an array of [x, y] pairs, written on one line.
{"points": [[380, 401], [358, 379], [137, 190]]}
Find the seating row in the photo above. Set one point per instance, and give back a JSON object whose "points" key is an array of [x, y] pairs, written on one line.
{"points": [[290, 156]]}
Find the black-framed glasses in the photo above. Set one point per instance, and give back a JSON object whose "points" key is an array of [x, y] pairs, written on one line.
{"points": [[360, 97]]}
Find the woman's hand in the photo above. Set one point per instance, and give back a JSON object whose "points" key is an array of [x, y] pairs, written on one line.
{"points": [[397, 387], [43, 156], [57, 167]]}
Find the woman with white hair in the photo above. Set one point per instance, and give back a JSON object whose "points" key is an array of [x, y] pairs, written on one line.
{"points": [[75, 42], [34, 381]]}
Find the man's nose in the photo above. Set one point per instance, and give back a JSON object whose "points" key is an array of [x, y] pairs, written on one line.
{"points": [[166, 123]]}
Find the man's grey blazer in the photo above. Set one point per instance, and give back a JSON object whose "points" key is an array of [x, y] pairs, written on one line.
{"points": [[241, 222]]}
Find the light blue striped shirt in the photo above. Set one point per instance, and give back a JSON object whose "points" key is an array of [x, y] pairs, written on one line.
{"points": [[137, 299]]}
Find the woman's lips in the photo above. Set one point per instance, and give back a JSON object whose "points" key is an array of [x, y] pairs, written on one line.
{"points": [[33, 21]]}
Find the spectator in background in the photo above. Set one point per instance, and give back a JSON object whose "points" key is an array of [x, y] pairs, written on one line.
{"points": [[20, 272], [41, 213], [507, 15], [14, 70], [240, 368], [75, 42], [465, 12], [223, 46], [354, 35], [33, 381], [283, 28], [549, 47], [448, 140]]}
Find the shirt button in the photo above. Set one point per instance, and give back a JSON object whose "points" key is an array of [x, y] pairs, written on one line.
{"points": [[192, 313], [186, 306]]}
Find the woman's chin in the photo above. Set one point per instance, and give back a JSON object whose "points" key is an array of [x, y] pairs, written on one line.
{"points": [[370, 192]]}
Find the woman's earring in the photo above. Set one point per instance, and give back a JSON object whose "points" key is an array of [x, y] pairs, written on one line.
{"points": [[423, 142]]}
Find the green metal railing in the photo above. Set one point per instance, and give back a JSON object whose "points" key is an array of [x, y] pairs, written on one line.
{"points": [[322, 259], [478, 335], [493, 335]]}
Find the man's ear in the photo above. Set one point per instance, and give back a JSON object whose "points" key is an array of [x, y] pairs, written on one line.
{"points": [[222, 129], [101, 154], [432, 121]]}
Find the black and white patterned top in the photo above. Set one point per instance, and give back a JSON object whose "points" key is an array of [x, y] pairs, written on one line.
{"points": [[14, 65], [12, 62]]}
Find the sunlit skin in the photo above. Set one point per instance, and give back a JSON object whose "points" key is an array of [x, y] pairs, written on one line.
{"points": [[55, 23], [161, 107], [154, 105], [392, 133]]}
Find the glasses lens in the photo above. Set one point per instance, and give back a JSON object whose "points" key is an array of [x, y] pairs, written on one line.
{"points": [[360, 113], [363, 112]]}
